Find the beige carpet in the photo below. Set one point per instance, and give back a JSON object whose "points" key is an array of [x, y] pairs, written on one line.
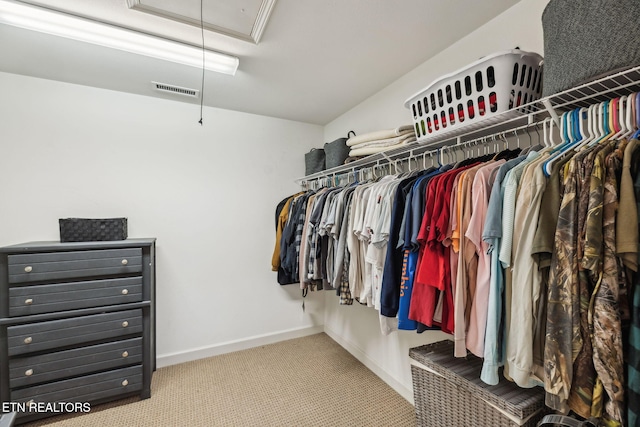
{"points": [[309, 381]]}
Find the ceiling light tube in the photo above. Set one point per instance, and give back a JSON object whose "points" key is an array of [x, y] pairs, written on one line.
{"points": [[68, 26]]}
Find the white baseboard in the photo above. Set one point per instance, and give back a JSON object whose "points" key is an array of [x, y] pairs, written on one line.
{"points": [[236, 345], [359, 354]]}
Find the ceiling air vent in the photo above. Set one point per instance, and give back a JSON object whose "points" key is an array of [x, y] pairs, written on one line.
{"points": [[185, 91]]}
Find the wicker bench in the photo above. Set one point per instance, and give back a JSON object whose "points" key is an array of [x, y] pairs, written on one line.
{"points": [[448, 392]]}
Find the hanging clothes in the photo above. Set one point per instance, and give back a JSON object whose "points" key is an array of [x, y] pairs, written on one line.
{"points": [[529, 260]]}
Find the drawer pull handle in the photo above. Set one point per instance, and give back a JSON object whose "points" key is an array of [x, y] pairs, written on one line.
{"points": [[125, 324], [125, 354], [125, 291], [29, 372], [28, 269], [125, 262], [28, 340], [125, 383], [28, 301]]}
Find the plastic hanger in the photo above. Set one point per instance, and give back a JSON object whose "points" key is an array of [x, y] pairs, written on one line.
{"points": [[517, 139], [564, 132], [606, 123], [598, 124], [573, 137], [628, 118], [620, 118], [577, 127], [637, 134], [545, 136], [628, 111], [593, 120], [586, 115], [537, 134], [564, 129], [585, 121], [529, 135], [611, 116], [506, 141], [552, 142], [602, 120], [556, 149], [617, 118], [582, 115], [601, 124], [634, 110]]}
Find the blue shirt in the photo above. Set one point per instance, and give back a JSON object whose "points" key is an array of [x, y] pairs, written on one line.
{"points": [[492, 233], [391, 276]]}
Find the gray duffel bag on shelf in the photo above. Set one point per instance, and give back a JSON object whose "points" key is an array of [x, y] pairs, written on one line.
{"points": [[314, 161], [584, 40], [336, 152]]}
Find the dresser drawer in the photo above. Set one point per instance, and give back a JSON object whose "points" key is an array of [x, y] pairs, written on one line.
{"points": [[39, 267], [36, 299], [84, 389], [27, 371], [65, 332]]}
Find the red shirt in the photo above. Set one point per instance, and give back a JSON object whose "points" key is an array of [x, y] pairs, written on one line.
{"points": [[433, 272], [424, 296]]}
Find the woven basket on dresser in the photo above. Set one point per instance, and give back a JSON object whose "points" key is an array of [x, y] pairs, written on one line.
{"points": [[448, 392]]}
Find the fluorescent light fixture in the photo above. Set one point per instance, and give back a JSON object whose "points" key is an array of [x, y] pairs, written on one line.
{"points": [[72, 27]]}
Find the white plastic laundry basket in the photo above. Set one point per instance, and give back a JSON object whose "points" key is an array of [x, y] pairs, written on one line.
{"points": [[490, 86]]}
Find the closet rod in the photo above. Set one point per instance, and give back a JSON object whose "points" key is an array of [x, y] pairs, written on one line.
{"points": [[374, 165], [371, 166], [498, 126]]}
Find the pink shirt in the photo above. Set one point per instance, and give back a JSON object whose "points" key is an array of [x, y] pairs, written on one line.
{"points": [[467, 263], [481, 190]]}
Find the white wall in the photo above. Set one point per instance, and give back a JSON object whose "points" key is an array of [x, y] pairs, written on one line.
{"points": [[356, 328], [207, 193]]}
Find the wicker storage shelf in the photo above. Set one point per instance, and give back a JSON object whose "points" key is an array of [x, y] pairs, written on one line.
{"points": [[448, 392]]}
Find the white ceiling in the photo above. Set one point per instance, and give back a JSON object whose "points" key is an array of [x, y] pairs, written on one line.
{"points": [[314, 59]]}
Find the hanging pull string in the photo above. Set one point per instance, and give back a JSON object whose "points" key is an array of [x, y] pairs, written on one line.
{"points": [[202, 83]]}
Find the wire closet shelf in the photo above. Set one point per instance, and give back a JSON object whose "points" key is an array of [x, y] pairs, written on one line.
{"points": [[494, 128]]}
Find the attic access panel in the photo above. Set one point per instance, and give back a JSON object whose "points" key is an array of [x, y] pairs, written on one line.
{"points": [[241, 19]]}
